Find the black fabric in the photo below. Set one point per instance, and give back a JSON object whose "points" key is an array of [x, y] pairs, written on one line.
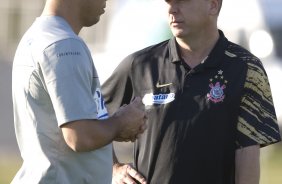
{"points": [[192, 139]]}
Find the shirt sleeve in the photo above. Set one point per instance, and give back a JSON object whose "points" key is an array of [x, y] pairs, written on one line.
{"points": [[117, 89], [71, 81], [257, 122]]}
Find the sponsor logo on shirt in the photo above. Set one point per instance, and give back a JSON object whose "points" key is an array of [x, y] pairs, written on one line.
{"points": [[150, 98]]}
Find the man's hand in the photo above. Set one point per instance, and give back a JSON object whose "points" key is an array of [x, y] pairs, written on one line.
{"points": [[88, 135], [132, 119], [125, 174]]}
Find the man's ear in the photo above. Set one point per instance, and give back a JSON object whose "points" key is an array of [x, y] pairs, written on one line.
{"points": [[215, 6]]}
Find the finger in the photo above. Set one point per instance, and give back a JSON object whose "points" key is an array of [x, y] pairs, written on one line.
{"points": [[126, 140], [145, 116], [136, 101], [120, 139], [138, 136], [134, 174], [129, 180], [143, 127], [123, 106], [118, 182], [138, 105]]}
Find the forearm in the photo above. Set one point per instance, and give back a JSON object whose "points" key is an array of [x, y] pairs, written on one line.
{"points": [[247, 165], [126, 124], [88, 135]]}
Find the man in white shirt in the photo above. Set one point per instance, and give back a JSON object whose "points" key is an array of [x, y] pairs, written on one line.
{"points": [[62, 126]]}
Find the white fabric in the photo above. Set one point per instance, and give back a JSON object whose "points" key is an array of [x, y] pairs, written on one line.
{"points": [[55, 82]]}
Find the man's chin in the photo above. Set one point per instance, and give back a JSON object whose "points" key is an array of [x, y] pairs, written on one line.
{"points": [[92, 22], [178, 34]]}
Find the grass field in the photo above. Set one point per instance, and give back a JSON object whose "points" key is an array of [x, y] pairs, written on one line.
{"points": [[9, 165], [271, 166]]}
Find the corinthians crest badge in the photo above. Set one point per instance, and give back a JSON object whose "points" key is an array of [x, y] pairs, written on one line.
{"points": [[217, 86]]}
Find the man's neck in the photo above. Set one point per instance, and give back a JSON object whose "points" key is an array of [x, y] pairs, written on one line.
{"points": [[195, 50], [57, 8]]}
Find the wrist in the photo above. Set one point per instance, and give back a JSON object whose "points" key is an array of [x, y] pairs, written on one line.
{"points": [[116, 165]]}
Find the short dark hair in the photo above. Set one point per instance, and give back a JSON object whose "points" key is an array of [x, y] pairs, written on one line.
{"points": [[220, 5]]}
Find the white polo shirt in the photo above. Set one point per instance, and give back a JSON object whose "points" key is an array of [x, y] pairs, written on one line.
{"points": [[55, 82]]}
